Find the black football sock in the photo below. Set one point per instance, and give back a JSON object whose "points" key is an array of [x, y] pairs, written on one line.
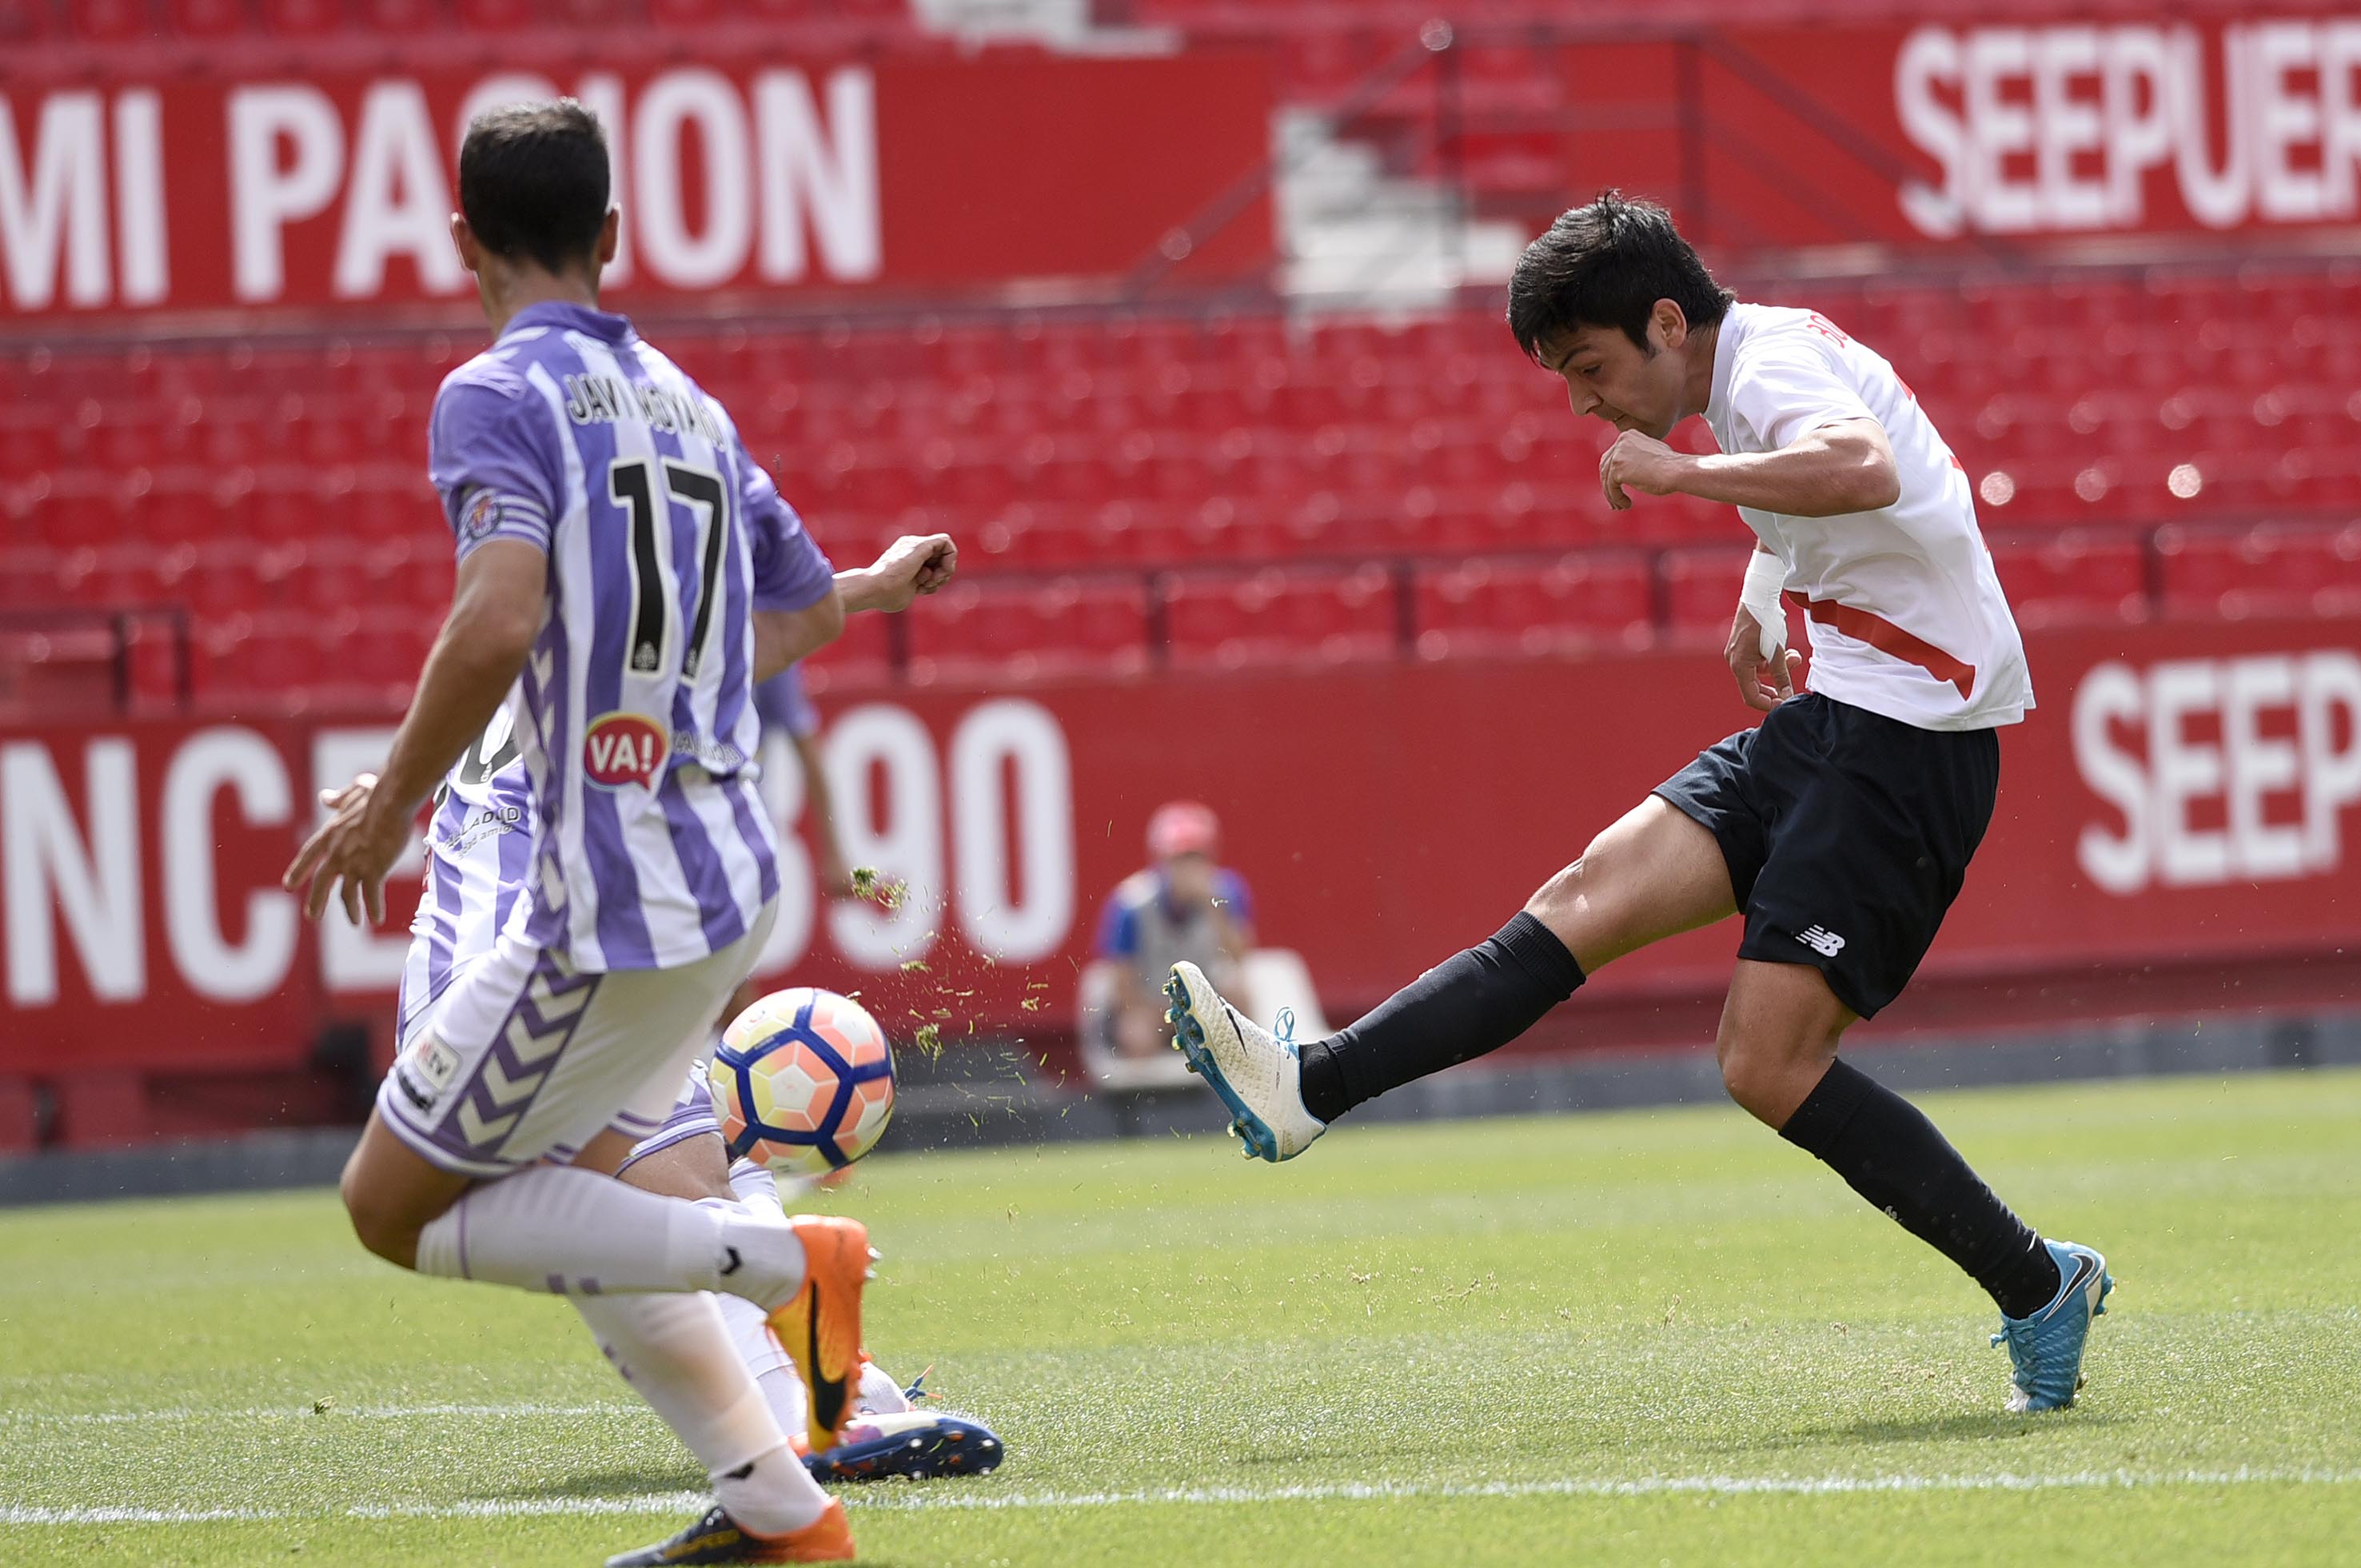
{"points": [[1889, 1153], [1474, 1002]]}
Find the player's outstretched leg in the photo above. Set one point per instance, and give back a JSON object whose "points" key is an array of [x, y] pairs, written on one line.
{"points": [[675, 1351], [1654, 874], [1473, 1003], [886, 1436], [1778, 1045]]}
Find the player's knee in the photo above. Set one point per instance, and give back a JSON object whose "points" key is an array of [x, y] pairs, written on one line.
{"points": [[1756, 1078], [380, 1222], [1769, 1078], [1582, 890]]}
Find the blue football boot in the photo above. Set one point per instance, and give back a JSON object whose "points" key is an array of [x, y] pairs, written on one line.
{"points": [[913, 1443], [2046, 1349]]}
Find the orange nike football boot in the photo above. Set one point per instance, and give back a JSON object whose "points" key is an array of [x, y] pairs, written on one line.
{"points": [[820, 1326], [718, 1538]]}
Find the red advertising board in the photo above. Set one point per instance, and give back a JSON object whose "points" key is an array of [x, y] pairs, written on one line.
{"points": [[2184, 795], [738, 180], [2021, 129]]}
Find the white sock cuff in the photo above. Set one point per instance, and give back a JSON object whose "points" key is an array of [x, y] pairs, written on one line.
{"points": [[758, 1258], [879, 1393], [443, 1244], [756, 1188]]}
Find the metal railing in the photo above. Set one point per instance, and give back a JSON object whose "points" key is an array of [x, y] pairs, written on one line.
{"points": [[1437, 134], [30, 639]]}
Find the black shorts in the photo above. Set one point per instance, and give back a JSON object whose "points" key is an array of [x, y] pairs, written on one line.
{"points": [[1847, 835]]}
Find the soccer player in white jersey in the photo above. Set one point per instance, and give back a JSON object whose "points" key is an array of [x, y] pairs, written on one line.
{"points": [[604, 511], [1840, 829]]}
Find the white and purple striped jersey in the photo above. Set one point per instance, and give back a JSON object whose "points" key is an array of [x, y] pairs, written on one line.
{"points": [[478, 847], [633, 724]]}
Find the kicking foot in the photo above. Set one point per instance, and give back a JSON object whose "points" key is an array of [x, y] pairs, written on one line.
{"points": [[820, 1326], [915, 1443], [717, 1538], [2046, 1349], [1256, 1073]]}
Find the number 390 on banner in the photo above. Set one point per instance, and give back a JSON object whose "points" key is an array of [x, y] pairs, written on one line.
{"points": [[997, 866]]}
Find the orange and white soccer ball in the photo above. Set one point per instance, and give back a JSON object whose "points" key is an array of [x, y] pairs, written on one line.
{"points": [[803, 1082]]}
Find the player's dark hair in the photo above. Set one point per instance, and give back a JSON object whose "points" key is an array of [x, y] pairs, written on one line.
{"points": [[533, 182], [1607, 264]]}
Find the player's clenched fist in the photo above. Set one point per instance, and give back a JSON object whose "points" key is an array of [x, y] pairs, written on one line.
{"points": [[1642, 463], [914, 566]]}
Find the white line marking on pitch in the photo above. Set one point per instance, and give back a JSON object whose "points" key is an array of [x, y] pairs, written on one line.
{"points": [[293, 1412], [946, 1498]]}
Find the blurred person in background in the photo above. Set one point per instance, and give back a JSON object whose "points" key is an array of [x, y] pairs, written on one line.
{"points": [[1183, 907], [786, 706]]}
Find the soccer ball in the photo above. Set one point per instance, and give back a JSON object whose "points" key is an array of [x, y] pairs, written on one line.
{"points": [[803, 1082]]}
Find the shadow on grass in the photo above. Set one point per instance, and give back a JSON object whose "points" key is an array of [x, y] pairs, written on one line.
{"points": [[637, 1483], [1964, 1426]]}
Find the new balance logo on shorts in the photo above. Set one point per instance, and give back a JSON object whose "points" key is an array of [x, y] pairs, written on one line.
{"points": [[1821, 940]]}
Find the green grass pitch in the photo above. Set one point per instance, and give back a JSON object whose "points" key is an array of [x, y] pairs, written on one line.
{"points": [[1647, 1337]]}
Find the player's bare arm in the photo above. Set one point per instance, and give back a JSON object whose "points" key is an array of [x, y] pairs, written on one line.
{"points": [[819, 815], [497, 607], [912, 566], [1843, 467], [781, 637]]}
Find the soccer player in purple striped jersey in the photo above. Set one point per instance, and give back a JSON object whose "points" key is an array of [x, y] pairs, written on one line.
{"points": [[608, 592], [477, 846]]}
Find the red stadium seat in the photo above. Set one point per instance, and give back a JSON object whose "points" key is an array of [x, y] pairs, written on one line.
{"points": [[2265, 571], [1018, 632], [111, 21], [303, 18], [27, 21], [419, 17], [1701, 588], [497, 16], [863, 656], [2075, 578], [1579, 604], [1302, 614], [210, 19]]}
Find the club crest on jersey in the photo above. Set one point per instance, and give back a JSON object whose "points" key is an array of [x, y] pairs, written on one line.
{"points": [[621, 749]]}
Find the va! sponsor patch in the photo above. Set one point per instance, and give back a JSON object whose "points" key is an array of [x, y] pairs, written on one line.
{"points": [[621, 749]]}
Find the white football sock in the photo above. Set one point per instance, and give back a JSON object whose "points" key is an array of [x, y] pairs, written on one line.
{"points": [[774, 1370], [756, 1188], [575, 1232], [880, 1395], [675, 1351], [749, 1327]]}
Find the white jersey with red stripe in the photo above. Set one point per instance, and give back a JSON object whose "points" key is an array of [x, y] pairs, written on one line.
{"points": [[1907, 617]]}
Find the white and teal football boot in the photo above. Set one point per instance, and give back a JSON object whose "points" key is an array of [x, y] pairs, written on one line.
{"points": [[2046, 1349], [1256, 1073]]}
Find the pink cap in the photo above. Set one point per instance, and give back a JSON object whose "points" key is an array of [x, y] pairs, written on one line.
{"points": [[1182, 827]]}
